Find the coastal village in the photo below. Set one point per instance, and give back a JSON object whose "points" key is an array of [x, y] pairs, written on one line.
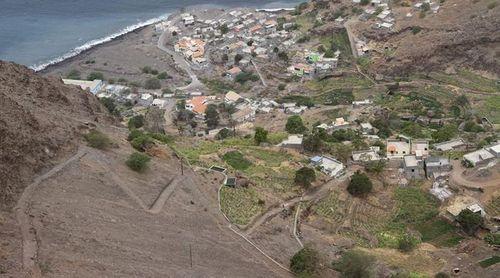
{"points": [[272, 92]]}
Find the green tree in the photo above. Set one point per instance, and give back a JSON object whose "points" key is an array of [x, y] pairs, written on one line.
{"points": [[152, 83], [224, 29], [260, 135], [360, 184], [376, 167], [304, 177], [136, 122], [470, 221], [305, 262], [95, 75], [313, 142], [163, 75], [294, 125], [211, 116], [138, 162], [441, 275], [142, 142], [356, 264], [223, 134], [445, 133]]}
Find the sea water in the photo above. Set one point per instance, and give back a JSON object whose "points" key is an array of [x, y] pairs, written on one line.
{"points": [[38, 33]]}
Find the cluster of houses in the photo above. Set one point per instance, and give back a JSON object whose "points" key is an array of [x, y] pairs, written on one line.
{"points": [[379, 9], [309, 64], [193, 49]]}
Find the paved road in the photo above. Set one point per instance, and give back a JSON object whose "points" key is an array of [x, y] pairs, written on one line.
{"points": [[179, 60]]}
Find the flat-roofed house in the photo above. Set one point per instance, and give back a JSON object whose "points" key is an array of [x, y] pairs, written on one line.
{"points": [[450, 145], [420, 148], [328, 165], [246, 114], [436, 164], [293, 142], [412, 167], [397, 148], [232, 97], [479, 157]]}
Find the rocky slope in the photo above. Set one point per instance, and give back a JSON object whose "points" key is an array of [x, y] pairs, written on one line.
{"points": [[40, 121], [464, 33]]}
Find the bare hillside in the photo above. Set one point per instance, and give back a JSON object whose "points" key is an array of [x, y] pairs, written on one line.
{"points": [[464, 33], [39, 122]]}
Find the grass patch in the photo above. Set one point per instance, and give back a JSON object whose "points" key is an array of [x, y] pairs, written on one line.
{"points": [[336, 97], [277, 137], [218, 86], [414, 206], [439, 233], [269, 158], [467, 79], [491, 109], [236, 160], [98, 140], [490, 261], [343, 82], [240, 204], [337, 41]]}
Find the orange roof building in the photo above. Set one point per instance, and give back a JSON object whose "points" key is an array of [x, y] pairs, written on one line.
{"points": [[197, 104]]}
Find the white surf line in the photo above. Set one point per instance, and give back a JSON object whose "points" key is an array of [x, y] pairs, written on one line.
{"points": [[30, 243], [230, 226]]}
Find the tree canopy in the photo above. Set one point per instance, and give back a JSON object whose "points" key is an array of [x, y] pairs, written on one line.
{"points": [[294, 125], [212, 116], [305, 176], [260, 135], [360, 184], [305, 262], [470, 221]]}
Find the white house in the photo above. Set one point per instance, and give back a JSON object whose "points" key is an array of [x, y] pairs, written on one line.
{"points": [[449, 145], [328, 165], [146, 100], [293, 141], [161, 103], [92, 86]]}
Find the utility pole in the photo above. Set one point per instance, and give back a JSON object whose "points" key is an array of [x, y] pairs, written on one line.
{"points": [[190, 256]]}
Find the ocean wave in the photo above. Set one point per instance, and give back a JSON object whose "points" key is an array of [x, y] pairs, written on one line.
{"points": [[77, 50]]}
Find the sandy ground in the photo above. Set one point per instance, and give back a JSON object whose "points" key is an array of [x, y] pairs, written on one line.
{"points": [[97, 224], [124, 58]]}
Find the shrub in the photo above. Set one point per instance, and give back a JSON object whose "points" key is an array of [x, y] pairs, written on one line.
{"points": [[304, 177], [305, 262], [223, 134], [470, 221], [97, 139], [260, 135], [163, 75], [163, 138], [360, 184], [243, 77], [136, 122], [73, 74], [375, 166], [294, 125], [355, 264], [152, 84], [407, 243], [142, 142], [146, 69], [110, 105], [313, 142], [281, 87], [95, 75], [441, 275], [138, 162], [493, 239], [236, 160], [134, 133]]}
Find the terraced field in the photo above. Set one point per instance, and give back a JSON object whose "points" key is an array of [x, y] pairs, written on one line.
{"points": [[493, 208]]}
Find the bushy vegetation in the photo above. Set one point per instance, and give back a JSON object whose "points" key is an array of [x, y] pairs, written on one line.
{"points": [[152, 84], [407, 243], [260, 135], [243, 77], [98, 140], [224, 133], [356, 264], [138, 161], [470, 221], [142, 142], [211, 116], [304, 177], [360, 184], [298, 100], [73, 74], [294, 125], [305, 262], [493, 239], [110, 105], [236, 160], [95, 75], [136, 122]]}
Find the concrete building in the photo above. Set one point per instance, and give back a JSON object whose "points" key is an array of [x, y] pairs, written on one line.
{"points": [[455, 144], [146, 100], [293, 142], [412, 167], [420, 148], [366, 155], [92, 86], [435, 164], [479, 157], [397, 148], [328, 165]]}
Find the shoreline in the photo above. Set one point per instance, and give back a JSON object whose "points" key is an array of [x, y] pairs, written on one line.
{"points": [[77, 52]]}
